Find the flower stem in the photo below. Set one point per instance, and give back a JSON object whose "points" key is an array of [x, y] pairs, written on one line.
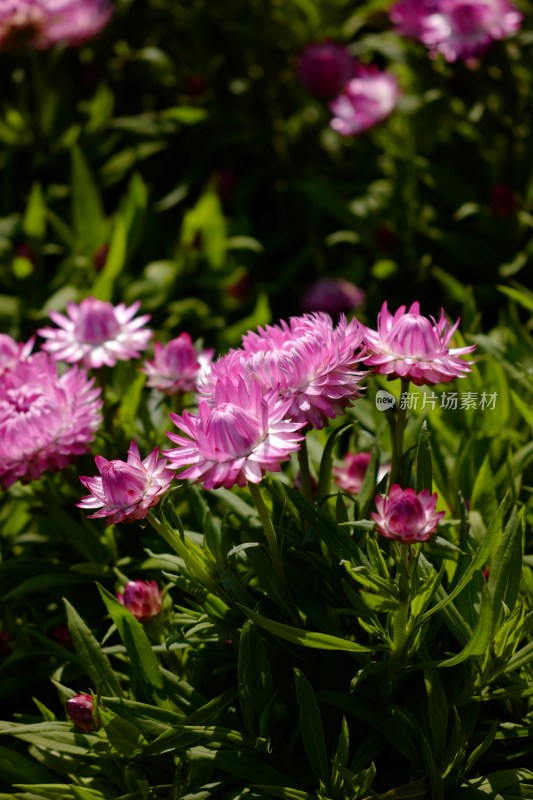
{"points": [[305, 472], [397, 436]]}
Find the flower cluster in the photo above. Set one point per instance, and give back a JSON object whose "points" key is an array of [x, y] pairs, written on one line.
{"points": [[457, 29], [361, 96], [44, 23], [46, 419]]}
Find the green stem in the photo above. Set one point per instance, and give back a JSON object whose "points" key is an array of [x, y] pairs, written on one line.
{"points": [[266, 521], [397, 437], [170, 537], [305, 472]]}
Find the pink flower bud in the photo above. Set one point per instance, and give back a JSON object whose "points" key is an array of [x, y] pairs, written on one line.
{"points": [[335, 296], [325, 68], [142, 598], [407, 516], [80, 711]]}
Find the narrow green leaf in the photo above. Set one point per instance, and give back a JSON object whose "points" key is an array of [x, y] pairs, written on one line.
{"points": [[311, 729], [94, 660], [285, 792], [17, 767], [254, 677], [317, 641], [115, 261], [479, 642], [506, 567], [88, 217], [143, 660], [34, 221], [483, 494], [326, 463]]}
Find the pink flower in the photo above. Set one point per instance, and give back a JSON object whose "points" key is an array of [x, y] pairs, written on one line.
{"points": [[45, 419], [43, 23], [80, 711], [240, 436], [351, 475], [97, 333], [458, 29], [334, 296], [12, 352], [307, 360], [177, 366], [407, 516], [325, 68], [142, 598], [365, 101], [126, 490], [409, 345]]}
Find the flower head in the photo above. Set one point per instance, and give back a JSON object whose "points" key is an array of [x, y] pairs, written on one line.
{"points": [[80, 711], [365, 101], [325, 68], [307, 360], [46, 419], [458, 29], [407, 516], [142, 598], [409, 345], [126, 490], [12, 352], [43, 23], [235, 439], [351, 475], [334, 296], [97, 333], [177, 366]]}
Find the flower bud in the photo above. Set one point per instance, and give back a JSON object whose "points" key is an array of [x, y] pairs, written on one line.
{"points": [[142, 598], [80, 711]]}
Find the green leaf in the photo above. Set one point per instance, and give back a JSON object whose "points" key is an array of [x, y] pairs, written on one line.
{"points": [[285, 792], [88, 216], [523, 408], [506, 567], [116, 258], [256, 690], [316, 641], [424, 474], [326, 463], [483, 493], [125, 737], [143, 660], [94, 660], [311, 729], [479, 642], [17, 767], [207, 219], [34, 221]]}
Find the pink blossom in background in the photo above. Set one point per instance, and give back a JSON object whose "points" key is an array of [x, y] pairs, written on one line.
{"points": [[457, 29], [97, 333], [44, 23], [366, 100], [237, 438], [80, 711], [409, 345], [334, 296], [12, 352], [351, 474], [126, 490], [46, 419], [407, 516], [307, 360], [177, 366], [142, 598], [325, 68]]}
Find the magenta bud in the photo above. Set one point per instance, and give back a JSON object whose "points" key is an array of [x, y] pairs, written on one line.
{"points": [[80, 711], [325, 68], [142, 598], [335, 296]]}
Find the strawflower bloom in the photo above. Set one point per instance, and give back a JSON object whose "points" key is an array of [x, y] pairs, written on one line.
{"points": [[243, 434], [177, 366], [351, 474], [12, 352], [325, 68], [457, 29], [307, 360], [44, 23], [334, 296], [97, 333], [407, 516], [46, 419], [80, 711], [409, 345], [142, 598], [366, 100], [126, 490]]}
